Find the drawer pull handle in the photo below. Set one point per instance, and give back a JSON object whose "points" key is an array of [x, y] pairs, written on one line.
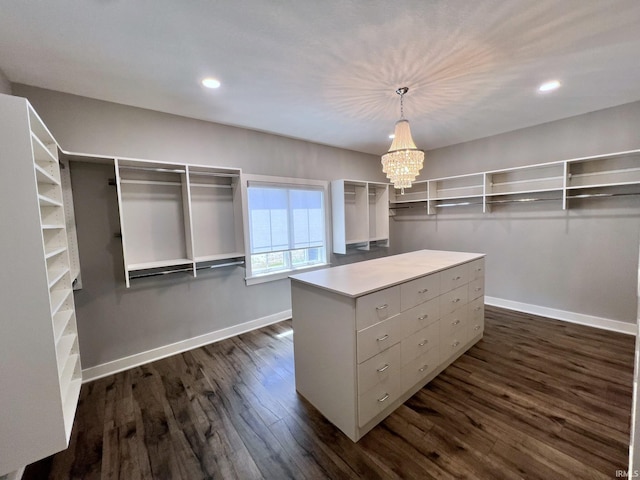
{"points": [[478, 289], [477, 309], [382, 369], [455, 301], [382, 339], [479, 269], [423, 343], [455, 322], [477, 327], [382, 307], [424, 290], [423, 317], [423, 368], [457, 278], [455, 344], [383, 399]]}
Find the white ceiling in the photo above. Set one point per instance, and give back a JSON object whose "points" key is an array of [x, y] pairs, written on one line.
{"points": [[326, 70]]}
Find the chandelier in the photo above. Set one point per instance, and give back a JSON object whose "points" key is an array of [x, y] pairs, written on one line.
{"points": [[403, 162]]}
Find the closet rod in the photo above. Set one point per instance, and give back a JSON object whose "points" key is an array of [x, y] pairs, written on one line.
{"points": [[595, 195], [216, 174], [178, 270], [522, 200], [459, 204], [421, 204], [152, 169]]}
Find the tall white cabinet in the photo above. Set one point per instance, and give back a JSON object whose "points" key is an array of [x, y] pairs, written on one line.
{"points": [[360, 214], [40, 369]]}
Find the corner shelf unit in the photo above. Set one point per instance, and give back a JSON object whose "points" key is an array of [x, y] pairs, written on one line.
{"points": [[39, 353], [596, 176], [360, 215], [178, 217]]}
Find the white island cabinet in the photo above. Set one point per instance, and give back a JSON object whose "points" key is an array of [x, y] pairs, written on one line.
{"points": [[369, 335]]}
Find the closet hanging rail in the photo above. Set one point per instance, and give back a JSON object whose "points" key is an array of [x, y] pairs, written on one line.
{"points": [[422, 203], [456, 204], [599, 195], [215, 174], [522, 200], [179, 270], [153, 169]]}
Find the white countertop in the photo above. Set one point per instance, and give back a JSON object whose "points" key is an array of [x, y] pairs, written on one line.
{"points": [[361, 278]]}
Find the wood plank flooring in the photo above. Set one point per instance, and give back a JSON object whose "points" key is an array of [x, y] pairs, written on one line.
{"points": [[535, 399]]}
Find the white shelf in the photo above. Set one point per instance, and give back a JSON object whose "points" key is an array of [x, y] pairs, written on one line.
{"points": [[54, 252], [416, 193], [220, 256], [41, 132], [610, 171], [69, 402], [63, 349], [41, 152], [524, 192], [67, 372], [159, 264], [60, 321], [356, 241], [45, 177], [400, 202], [51, 226], [603, 185], [151, 182], [460, 197], [58, 299], [209, 185], [56, 274], [48, 202]]}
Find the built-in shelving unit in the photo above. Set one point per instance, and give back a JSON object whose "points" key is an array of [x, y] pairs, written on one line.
{"points": [[360, 214], [455, 191], [597, 176], [39, 354], [177, 217]]}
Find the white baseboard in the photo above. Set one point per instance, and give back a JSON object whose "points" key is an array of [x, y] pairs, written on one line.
{"points": [[572, 317], [125, 363]]}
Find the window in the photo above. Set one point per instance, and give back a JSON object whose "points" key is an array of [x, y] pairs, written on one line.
{"points": [[287, 226]]}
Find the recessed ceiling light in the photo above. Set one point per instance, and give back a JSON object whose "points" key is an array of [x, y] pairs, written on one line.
{"points": [[549, 86], [211, 82], [392, 136]]}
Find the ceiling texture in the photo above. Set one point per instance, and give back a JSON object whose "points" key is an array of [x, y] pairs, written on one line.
{"points": [[327, 70]]}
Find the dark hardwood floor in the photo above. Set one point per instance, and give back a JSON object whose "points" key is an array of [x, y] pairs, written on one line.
{"points": [[535, 399]]}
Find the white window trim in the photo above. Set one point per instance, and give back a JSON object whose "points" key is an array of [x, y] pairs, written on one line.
{"points": [[251, 279]]}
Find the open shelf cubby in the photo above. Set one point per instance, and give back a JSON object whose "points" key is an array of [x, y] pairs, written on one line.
{"points": [[215, 214], [360, 214], [176, 216]]}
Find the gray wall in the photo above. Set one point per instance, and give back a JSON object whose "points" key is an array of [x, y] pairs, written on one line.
{"points": [[5, 84], [582, 260], [115, 322]]}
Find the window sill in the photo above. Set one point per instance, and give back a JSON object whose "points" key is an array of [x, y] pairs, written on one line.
{"points": [[272, 277]]}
